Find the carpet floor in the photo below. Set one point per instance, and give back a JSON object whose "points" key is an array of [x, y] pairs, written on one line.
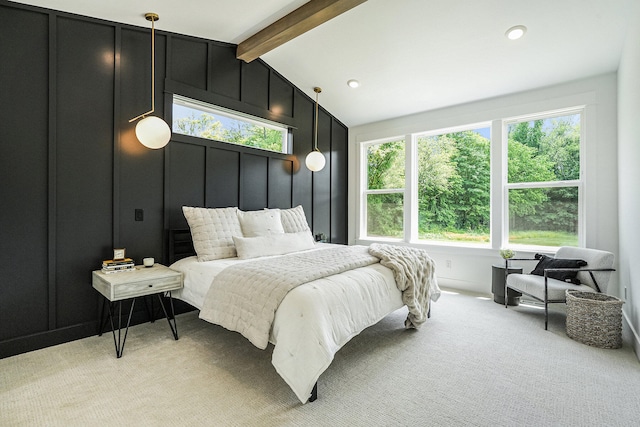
{"points": [[474, 363]]}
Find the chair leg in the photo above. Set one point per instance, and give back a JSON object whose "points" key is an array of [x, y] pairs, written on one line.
{"points": [[546, 301], [506, 273], [546, 315]]}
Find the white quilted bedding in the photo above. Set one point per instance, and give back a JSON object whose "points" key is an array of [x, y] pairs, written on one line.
{"points": [[314, 320], [245, 297]]}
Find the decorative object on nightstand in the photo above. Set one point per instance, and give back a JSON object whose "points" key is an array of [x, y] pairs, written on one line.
{"points": [[118, 254], [321, 238], [118, 265], [507, 253], [140, 282]]}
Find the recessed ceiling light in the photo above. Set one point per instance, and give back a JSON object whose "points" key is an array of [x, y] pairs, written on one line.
{"points": [[514, 33], [353, 83]]}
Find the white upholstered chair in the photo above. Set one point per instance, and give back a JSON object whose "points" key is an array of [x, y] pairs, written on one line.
{"points": [[594, 277]]}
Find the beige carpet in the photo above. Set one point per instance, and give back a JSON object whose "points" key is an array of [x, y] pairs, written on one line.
{"points": [[473, 363]]}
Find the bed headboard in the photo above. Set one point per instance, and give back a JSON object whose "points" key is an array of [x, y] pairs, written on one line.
{"points": [[180, 244]]}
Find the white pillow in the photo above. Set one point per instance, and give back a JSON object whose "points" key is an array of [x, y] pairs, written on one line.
{"points": [[275, 244], [260, 223], [293, 220], [212, 231]]}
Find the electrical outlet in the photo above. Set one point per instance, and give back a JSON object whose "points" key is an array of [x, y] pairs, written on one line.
{"points": [[448, 263], [139, 215]]}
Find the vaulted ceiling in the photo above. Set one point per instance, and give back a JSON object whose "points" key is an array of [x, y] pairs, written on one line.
{"points": [[408, 55]]}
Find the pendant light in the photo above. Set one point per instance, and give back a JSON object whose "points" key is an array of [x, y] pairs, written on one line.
{"points": [[315, 160], [152, 131]]}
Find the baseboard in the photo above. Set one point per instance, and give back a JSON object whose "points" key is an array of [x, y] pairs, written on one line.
{"points": [[464, 285], [37, 341], [45, 339], [631, 334]]}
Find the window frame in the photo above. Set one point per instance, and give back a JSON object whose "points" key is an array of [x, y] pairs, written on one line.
{"points": [[205, 107], [365, 191], [499, 186], [415, 235], [577, 183]]}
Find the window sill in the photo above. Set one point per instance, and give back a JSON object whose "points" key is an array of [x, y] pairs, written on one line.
{"points": [[460, 248]]}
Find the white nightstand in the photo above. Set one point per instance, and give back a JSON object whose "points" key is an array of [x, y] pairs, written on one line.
{"points": [[117, 287]]}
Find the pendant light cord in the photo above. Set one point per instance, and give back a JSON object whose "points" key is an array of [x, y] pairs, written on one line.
{"points": [[317, 90], [153, 17], [153, 64]]}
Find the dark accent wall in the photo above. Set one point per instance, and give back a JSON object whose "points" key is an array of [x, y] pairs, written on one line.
{"points": [[73, 173]]}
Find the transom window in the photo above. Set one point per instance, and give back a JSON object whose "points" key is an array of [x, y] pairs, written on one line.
{"points": [[202, 120]]}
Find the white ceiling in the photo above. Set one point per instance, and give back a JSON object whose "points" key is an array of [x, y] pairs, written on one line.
{"points": [[409, 55]]}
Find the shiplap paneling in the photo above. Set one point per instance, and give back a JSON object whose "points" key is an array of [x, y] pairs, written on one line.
{"points": [[77, 173], [24, 169]]}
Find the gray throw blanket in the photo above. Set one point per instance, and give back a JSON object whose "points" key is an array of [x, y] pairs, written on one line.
{"points": [[244, 297], [415, 274]]}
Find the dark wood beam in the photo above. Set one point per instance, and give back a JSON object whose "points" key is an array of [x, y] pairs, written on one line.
{"points": [[301, 20]]}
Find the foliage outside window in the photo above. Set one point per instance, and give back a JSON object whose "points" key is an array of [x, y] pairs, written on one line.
{"points": [[454, 186], [543, 183], [384, 194], [195, 118]]}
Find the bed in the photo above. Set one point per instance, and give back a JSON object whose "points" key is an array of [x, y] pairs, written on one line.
{"points": [[314, 318]]}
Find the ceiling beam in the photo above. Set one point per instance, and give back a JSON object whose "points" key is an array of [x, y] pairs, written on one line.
{"points": [[301, 20]]}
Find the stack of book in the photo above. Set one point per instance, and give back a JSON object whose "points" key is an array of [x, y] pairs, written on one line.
{"points": [[118, 265]]}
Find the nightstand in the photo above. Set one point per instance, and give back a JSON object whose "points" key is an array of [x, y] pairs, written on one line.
{"points": [[498, 277], [143, 281]]}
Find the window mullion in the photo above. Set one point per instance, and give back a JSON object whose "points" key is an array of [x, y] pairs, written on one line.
{"points": [[362, 211], [498, 178], [411, 190]]}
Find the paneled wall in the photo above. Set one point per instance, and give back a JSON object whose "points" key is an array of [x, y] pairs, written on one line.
{"points": [[73, 173]]}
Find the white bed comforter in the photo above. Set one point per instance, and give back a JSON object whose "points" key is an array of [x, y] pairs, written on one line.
{"points": [[244, 297], [314, 320]]}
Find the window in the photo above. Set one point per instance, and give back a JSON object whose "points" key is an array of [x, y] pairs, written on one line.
{"points": [[384, 192], [454, 186], [543, 185], [202, 120], [447, 196]]}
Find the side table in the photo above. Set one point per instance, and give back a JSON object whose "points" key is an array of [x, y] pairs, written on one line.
{"points": [[498, 278], [117, 287]]}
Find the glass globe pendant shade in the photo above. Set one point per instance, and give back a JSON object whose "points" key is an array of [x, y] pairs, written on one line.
{"points": [[315, 161], [153, 132]]}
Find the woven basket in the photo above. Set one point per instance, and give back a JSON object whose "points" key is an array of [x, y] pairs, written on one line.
{"points": [[594, 319]]}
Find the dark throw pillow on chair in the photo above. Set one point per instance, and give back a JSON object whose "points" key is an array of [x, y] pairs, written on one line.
{"points": [[565, 276]]}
